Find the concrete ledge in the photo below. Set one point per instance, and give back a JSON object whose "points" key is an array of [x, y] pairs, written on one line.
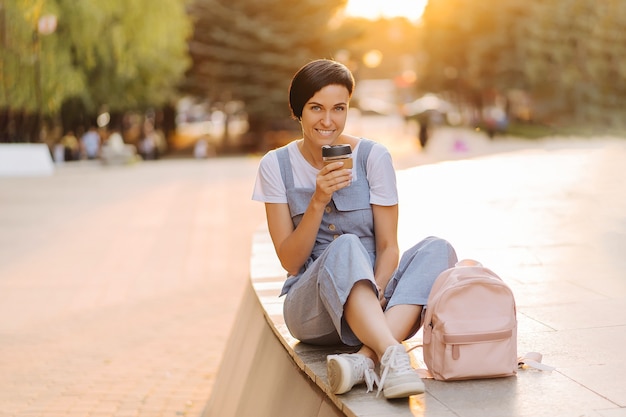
{"points": [[25, 159], [267, 373]]}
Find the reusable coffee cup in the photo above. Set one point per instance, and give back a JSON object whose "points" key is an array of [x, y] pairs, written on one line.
{"points": [[334, 153]]}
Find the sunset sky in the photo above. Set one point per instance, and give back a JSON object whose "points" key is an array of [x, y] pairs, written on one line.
{"points": [[372, 9]]}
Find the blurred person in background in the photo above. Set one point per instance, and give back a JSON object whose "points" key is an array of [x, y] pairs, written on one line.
{"points": [[90, 143], [71, 147]]}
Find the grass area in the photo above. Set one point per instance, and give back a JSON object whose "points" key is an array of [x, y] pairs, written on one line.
{"points": [[536, 131], [529, 131]]}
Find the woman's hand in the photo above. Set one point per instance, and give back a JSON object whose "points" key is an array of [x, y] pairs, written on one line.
{"points": [[294, 246], [381, 297], [330, 179]]}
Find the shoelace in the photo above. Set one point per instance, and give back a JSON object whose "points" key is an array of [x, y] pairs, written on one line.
{"points": [[369, 375], [370, 379], [398, 361]]}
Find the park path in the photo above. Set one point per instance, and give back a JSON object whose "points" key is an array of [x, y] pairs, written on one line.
{"points": [[119, 285]]}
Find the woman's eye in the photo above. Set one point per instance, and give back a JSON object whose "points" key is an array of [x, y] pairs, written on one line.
{"points": [[340, 108], [315, 108]]}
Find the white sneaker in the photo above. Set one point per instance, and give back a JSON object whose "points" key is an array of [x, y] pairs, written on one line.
{"points": [[349, 369], [398, 379]]}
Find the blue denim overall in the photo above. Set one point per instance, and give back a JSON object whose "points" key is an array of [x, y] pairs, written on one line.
{"points": [[345, 253]]}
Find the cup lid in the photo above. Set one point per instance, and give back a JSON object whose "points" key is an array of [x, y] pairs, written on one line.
{"points": [[336, 150]]}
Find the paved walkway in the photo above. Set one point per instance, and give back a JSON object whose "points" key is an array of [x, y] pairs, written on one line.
{"points": [[551, 221], [118, 285]]}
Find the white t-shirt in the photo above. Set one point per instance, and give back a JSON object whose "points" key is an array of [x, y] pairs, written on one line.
{"points": [[269, 186]]}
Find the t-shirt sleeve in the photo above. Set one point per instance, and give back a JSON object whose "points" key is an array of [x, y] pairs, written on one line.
{"points": [[269, 186], [381, 176]]}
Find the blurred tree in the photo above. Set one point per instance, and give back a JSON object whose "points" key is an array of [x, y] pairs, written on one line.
{"points": [[36, 75], [498, 28], [574, 60], [471, 47], [132, 53], [119, 54], [566, 53], [396, 39], [444, 41], [248, 50]]}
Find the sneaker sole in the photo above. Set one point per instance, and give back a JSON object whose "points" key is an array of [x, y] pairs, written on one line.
{"points": [[336, 369], [404, 390]]}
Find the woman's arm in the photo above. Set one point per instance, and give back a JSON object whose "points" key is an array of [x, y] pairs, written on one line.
{"points": [[294, 246], [387, 250]]}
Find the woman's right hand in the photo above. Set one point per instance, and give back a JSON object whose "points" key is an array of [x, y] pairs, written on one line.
{"points": [[381, 297], [330, 179]]}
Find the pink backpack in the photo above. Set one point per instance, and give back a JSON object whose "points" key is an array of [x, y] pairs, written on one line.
{"points": [[470, 325]]}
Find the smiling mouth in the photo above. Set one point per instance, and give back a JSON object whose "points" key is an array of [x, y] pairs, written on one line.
{"points": [[325, 132]]}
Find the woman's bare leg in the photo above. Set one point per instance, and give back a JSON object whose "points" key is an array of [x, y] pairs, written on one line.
{"points": [[401, 320], [367, 320]]}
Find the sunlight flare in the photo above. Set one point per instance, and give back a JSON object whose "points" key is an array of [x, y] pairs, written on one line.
{"points": [[374, 9]]}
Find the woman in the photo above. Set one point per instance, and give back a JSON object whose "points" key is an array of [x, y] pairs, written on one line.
{"points": [[335, 233]]}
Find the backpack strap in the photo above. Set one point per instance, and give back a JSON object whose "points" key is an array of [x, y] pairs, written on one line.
{"points": [[533, 360]]}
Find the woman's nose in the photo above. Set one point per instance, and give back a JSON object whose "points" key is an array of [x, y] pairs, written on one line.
{"points": [[326, 119]]}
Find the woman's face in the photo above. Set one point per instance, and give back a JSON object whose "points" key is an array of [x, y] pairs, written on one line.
{"points": [[324, 115]]}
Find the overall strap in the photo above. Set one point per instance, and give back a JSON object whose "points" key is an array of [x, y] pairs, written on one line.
{"points": [[365, 147], [282, 153], [285, 166]]}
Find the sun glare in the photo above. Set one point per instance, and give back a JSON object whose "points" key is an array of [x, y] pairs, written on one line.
{"points": [[374, 9]]}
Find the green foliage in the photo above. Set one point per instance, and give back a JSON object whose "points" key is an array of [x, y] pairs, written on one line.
{"points": [[116, 53], [574, 56], [136, 51], [23, 52], [249, 49]]}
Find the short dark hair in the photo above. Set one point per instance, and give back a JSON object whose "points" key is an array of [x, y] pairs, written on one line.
{"points": [[314, 76]]}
